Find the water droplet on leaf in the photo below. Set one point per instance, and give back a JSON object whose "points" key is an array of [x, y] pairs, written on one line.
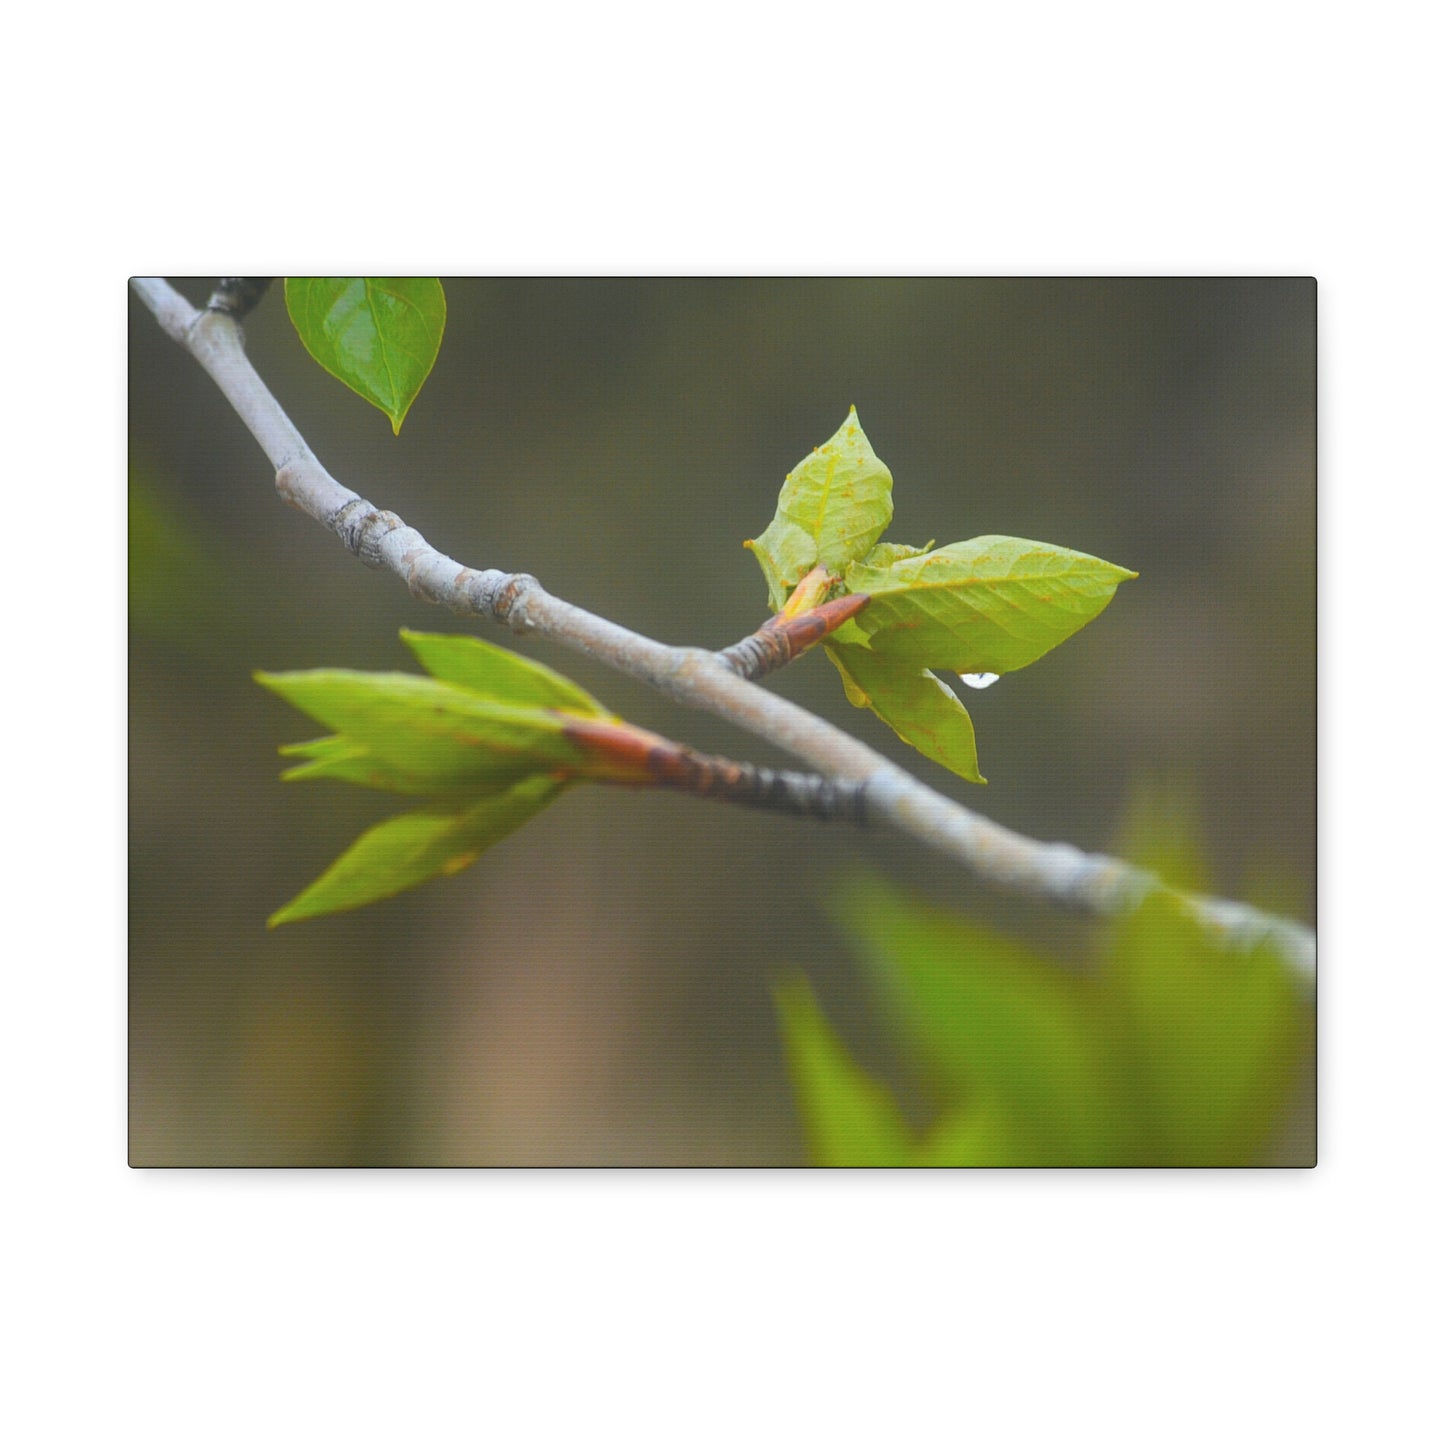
{"points": [[978, 679]]}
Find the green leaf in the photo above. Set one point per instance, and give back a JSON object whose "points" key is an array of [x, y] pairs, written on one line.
{"points": [[833, 507], [994, 1025], [424, 736], [976, 1136], [994, 604], [494, 672], [407, 850], [914, 703], [344, 760], [849, 1118], [1162, 830], [378, 334], [886, 553], [1213, 1036]]}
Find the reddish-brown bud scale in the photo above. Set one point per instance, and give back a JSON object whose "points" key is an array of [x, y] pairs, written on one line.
{"points": [[626, 754], [782, 638], [840, 609]]}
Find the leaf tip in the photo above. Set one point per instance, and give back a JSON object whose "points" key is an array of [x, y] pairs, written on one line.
{"points": [[791, 993]]}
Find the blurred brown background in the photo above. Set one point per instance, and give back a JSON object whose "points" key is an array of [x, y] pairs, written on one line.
{"points": [[595, 990]]}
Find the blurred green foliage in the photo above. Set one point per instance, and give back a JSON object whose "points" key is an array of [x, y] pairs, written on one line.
{"points": [[1164, 1050], [178, 583]]}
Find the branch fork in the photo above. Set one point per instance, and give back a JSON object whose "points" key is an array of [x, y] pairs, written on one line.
{"points": [[803, 622]]}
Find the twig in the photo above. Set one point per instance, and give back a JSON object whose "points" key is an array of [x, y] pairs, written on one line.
{"points": [[886, 794], [780, 639], [647, 760]]}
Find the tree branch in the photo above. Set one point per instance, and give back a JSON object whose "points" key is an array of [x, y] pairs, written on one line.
{"points": [[884, 793]]}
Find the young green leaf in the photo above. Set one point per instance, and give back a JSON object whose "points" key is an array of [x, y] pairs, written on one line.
{"points": [[407, 850], [494, 672], [343, 760], [994, 604], [378, 334], [990, 1021], [425, 736], [849, 1119], [913, 702], [886, 553], [833, 507]]}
